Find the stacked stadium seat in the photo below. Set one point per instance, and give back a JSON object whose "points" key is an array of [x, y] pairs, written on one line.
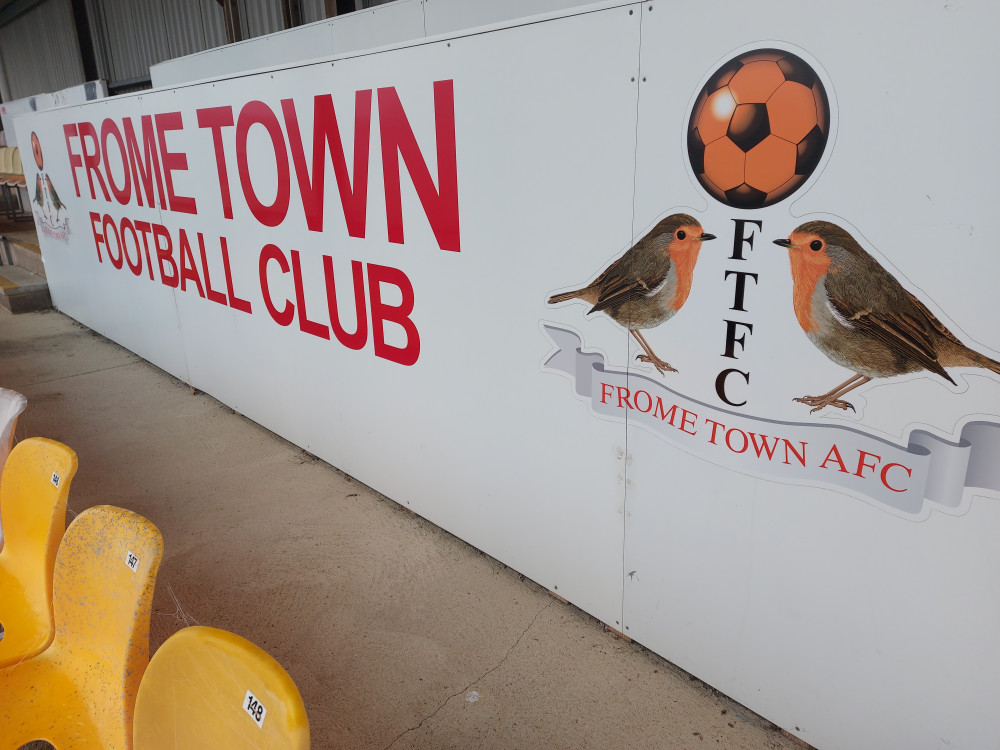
{"points": [[75, 610]]}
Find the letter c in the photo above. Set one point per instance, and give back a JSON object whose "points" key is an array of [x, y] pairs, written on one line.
{"points": [[269, 253], [885, 480], [720, 385]]}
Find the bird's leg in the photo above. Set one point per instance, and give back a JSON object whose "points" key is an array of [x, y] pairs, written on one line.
{"points": [[650, 357], [833, 398]]}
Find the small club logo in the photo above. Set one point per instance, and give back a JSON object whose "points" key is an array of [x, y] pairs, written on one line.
{"points": [[758, 128], [49, 209]]}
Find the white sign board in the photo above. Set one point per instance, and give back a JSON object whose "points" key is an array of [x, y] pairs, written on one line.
{"points": [[582, 291], [73, 95]]}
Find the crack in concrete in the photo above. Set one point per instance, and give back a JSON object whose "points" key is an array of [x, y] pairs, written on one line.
{"points": [[479, 679], [77, 375]]}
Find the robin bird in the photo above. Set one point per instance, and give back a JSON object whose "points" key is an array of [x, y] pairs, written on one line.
{"points": [[862, 318], [649, 283], [45, 193]]}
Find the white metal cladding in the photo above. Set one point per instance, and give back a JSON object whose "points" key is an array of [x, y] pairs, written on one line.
{"points": [[442, 16], [396, 22], [39, 50]]}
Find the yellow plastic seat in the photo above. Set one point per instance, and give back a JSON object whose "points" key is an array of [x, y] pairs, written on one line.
{"points": [[79, 693], [7, 165], [33, 492], [208, 689], [17, 169]]}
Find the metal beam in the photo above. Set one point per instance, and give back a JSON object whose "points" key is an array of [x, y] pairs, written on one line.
{"points": [[234, 31], [291, 13], [85, 40], [16, 8]]}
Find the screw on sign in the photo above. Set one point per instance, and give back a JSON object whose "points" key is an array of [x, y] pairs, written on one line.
{"points": [[758, 128]]}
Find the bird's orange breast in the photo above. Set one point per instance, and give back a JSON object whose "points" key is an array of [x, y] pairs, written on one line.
{"points": [[683, 261], [807, 269]]}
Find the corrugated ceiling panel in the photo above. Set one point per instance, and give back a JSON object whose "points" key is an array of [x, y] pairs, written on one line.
{"points": [[131, 35], [192, 26], [149, 28], [312, 10], [122, 50], [40, 51], [259, 17], [95, 19], [213, 20]]}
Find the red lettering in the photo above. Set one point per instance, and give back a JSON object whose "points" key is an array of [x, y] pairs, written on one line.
{"points": [[145, 228], [378, 275], [234, 302], [863, 464], [95, 219], [209, 292], [217, 118], [800, 456], [173, 161], [688, 419], [144, 170], [135, 268], [440, 205], [663, 415], [122, 194], [729, 444], [258, 113], [715, 428], [305, 325], [649, 400], [357, 339], [326, 137], [834, 455], [287, 313], [625, 399], [763, 447], [885, 472], [607, 390], [75, 162], [165, 255], [110, 222], [189, 272], [92, 161]]}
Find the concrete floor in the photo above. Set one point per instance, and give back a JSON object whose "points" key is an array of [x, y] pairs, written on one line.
{"points": [[397, 634]]}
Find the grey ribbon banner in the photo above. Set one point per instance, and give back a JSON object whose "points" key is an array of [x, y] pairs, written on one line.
{"points": [[928, 469]]}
